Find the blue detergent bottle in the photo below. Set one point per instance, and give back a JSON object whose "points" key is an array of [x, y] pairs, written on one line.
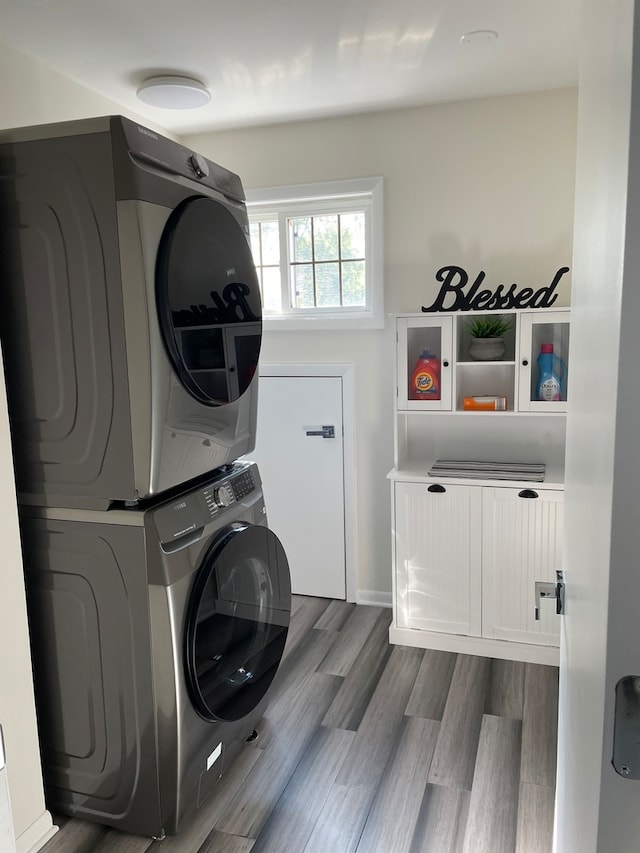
{"points": [[551, 375]]}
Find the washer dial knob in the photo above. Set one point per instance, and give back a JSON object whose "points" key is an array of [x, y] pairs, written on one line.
{"points": [[223, 496]]}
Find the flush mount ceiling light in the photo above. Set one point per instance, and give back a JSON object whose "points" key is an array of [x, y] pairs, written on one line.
{"points": [[174, 93], [478, 37]]}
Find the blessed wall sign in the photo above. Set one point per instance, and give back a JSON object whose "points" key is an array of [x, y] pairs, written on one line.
{"points": [[454, 297]]}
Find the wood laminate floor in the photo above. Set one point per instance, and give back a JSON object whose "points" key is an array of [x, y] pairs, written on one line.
{"points": [[372, 748]]}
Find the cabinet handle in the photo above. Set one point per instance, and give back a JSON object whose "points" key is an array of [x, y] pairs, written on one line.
{"points": [[445, 364], [527, 493], [525, 362], [436, 488]]}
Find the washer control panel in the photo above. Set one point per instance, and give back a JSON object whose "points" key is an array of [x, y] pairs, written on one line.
{"points": [[218, 497], [190, 512], [223, 496], [243, 485], [224, 493]]}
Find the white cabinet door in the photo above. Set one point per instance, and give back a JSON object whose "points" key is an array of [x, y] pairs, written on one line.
{"points": [[437, 553], [416, 336], [539, 332], [521, 544]]}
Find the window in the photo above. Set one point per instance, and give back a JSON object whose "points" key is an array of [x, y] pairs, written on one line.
{"points": [[318, 253]]}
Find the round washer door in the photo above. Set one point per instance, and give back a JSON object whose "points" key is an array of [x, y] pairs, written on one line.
{"points": [[208, 301], [237, 622]]}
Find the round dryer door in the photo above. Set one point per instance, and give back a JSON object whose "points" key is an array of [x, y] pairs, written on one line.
{"points": [[237, 622], [208, 301]]}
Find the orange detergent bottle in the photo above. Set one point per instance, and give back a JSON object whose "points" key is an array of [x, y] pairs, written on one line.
{"points": [[425, 379]]}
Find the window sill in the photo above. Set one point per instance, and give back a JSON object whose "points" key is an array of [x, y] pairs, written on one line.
{"points": [[324, 323]]}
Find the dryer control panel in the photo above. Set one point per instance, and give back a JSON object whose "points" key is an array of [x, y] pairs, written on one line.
{"points": [[135, 142]]}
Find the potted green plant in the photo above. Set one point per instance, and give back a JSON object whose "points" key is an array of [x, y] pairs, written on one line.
{"points": [[487, 337]]}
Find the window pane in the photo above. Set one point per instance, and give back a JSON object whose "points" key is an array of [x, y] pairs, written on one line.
{"points": [[325, 238], [254, 231], [300, 238], [270, 243], [323, 254], [353, 283], [328, 285], [303, 286], [271, 290], [352, 235]]}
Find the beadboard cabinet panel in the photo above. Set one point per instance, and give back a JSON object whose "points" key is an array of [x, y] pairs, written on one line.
{"points": [[438, 557], [466, 563], [521, 544]]}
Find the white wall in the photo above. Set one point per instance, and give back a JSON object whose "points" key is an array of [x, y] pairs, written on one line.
{"points": [[30, 94], [486, 184], [17, 711]]}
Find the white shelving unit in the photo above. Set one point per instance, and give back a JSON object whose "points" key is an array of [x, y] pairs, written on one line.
{"points": [[468, 551]]}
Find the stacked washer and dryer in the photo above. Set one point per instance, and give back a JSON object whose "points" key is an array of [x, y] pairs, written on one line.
{"points": [[158, 598]]}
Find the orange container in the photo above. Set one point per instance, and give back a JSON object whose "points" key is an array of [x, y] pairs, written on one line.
{"points": [[484, 404], [425, 378]]}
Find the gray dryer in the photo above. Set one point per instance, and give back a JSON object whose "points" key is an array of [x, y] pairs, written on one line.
{"points": [[131, 318], [156, 632]]}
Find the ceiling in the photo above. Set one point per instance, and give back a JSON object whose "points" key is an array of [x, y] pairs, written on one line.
{"points": [[269, 61]]}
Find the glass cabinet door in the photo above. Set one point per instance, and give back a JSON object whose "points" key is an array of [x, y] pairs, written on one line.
{"points": [[544, 361], [424, 363]]}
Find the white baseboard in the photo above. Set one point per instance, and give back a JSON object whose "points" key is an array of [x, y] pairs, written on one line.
{"points": [[36, 836], [374, 597], [483, 647]]}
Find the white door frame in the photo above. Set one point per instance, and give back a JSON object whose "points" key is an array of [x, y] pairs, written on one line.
{"points": [[597, 807], [345, 372]]}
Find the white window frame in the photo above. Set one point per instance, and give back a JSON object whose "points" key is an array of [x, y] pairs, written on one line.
{"points": [[364, 194]]}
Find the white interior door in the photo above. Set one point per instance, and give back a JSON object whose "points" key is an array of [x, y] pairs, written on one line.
{"points": [[597, 808], [299, 451]]}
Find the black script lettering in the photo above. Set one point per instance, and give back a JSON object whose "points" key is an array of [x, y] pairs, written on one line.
{"points": [[447, 276], [454, 279], [469, 298], [481, 300], [522, 298], [510, 295], [237, 305], [220, 305], [542, 298], [195, 315], [500, 301], [230, 307]]}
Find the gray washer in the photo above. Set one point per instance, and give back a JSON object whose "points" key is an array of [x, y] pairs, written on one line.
{"points": [[131, 318], [156, 632]]}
